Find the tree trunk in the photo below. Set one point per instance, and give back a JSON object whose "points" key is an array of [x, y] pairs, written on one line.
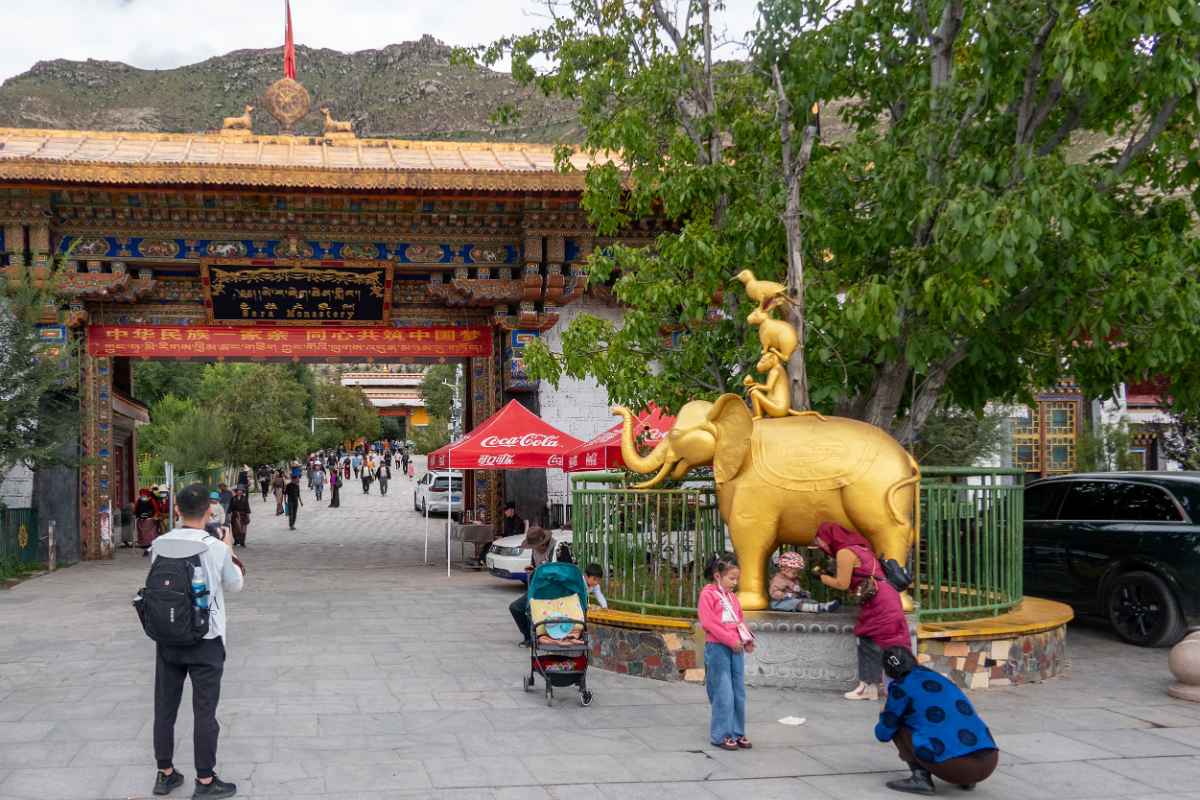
{"points": [[797, 369], [887, 391]]}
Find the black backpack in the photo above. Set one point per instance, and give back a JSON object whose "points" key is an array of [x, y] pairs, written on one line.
{"points": [[896, 575], [166, 606]]}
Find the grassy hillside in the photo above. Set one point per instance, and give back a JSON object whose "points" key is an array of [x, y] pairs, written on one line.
{"points": [[407, 90]]}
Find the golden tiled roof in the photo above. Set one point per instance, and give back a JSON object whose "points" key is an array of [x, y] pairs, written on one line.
{"points": [[244, 159]]}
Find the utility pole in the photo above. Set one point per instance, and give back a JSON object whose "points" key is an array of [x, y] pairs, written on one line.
{"points": [[456, 411]]}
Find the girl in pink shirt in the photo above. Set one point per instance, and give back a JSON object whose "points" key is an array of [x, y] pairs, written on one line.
{"points": [[727, 638]]}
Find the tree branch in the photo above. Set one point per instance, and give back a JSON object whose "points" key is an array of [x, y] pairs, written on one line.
{"points": [[1136, 147], [664, 19], [963, 122], [922, 13], [1032, 71], [1069, 124], [1049, 101]]}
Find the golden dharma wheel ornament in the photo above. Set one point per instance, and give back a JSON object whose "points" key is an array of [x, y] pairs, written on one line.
{"points": [[288, 102]]}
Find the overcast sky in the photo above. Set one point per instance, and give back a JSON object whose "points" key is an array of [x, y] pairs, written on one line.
{"points": [[157, 34]]}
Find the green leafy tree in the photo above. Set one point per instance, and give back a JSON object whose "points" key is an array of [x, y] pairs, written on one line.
{"points": [[303, 375], [258, 412], [1106, 449], [965, 201], [427, 438], [38, 409], [180, 432], [437, 395], [154, 380], [352, 415], [1180, 437], [953, 437]]}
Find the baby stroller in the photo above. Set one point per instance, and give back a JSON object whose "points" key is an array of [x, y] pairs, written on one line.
{"points": [[559, 652]]}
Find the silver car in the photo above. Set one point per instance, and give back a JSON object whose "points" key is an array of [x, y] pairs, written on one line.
{"points": [[439, 492]]}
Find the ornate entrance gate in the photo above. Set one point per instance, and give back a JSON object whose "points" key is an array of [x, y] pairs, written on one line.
{"points": [[240, 246]]}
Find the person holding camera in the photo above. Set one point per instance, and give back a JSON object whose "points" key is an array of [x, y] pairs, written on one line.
{"points": [[203, 661], [881, 621]]}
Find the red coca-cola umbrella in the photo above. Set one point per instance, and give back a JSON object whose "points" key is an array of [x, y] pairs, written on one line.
{"points": [[604, 450], [512, 438]]}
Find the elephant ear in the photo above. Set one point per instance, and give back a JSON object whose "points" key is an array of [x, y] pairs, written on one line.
{"points": [[732, 425]]}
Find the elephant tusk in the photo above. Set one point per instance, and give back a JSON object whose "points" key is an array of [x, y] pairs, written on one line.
{"points": [[656, 480]]}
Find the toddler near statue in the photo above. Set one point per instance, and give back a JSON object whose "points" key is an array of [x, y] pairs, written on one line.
{"points": [[785, 591]]}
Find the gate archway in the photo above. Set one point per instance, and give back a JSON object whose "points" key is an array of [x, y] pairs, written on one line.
{"points": [[463, 236]]}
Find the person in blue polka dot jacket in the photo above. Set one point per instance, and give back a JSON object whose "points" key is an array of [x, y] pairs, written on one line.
{"points": [[934, 727]]}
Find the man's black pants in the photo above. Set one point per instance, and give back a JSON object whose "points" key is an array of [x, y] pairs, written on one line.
{"points": [[293, 510], [204, 663], [519, 609]]}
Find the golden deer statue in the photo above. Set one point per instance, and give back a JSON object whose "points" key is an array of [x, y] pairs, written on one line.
{"points": [[241, 123], [336, 125]]}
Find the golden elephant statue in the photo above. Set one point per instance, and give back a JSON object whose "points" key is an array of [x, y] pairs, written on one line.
{"points": [[779, 478]]}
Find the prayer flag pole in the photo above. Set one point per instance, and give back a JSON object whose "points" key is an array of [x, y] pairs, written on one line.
{"points": [[289, 45]]}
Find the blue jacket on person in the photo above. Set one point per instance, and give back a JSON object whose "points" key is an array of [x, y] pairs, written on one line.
{"points": [[943, 722]]}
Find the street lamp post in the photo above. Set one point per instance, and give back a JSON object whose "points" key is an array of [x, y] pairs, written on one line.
{"points": [[455, 405]]}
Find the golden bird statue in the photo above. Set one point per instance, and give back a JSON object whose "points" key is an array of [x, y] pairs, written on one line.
{"points": [[762, 292]]}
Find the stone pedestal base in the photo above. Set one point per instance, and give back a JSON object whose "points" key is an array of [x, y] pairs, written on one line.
{"points": [[803, 651]]}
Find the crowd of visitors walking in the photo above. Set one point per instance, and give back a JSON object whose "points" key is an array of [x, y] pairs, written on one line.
{"points": [[231, 507]]}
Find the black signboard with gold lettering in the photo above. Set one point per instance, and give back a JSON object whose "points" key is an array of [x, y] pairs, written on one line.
{"points": [[297, 293]]}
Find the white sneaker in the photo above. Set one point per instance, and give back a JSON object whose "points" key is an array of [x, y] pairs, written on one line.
{"points": [[863, 692]]}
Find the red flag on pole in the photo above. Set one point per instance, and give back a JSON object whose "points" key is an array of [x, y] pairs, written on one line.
{"points": [[289, 47]]}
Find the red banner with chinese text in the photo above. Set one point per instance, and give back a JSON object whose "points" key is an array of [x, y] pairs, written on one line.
{"points": [[212, 341]]}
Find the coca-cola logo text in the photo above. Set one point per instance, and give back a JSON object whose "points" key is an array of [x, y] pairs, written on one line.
{"points": [[503, 459], [528, 440]]}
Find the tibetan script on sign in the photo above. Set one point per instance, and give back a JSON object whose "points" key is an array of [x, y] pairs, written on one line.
{"points": [[213, 342], [247, 293]]}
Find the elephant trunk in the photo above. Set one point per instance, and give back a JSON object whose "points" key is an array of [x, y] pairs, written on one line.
{"points": [[629, 452]]}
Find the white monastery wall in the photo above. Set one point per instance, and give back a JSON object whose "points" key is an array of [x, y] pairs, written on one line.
{"points": [[580, 408]]}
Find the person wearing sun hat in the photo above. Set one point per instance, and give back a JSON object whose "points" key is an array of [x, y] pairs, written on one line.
{"points": [[541, 545]]}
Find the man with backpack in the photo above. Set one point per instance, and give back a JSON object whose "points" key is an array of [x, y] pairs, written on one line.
{"points": [[183, 609]]}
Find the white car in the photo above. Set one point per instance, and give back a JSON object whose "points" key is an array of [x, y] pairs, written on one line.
{"points": [[507, 559], [431, 492]]}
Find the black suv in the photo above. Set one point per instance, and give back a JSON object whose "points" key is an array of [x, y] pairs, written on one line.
{"points": [[1121, 545]]}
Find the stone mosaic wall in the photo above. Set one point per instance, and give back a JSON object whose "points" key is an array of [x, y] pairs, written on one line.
{"points": [[653, 654], [984, 663]]}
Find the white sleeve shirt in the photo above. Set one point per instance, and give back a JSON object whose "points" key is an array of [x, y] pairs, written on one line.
{"points": [[220, 573]]}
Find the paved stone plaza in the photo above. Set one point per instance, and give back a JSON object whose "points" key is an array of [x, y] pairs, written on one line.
{"points": [[356, 672]]}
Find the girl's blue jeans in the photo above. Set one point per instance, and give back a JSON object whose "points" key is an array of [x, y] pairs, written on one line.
{"points": [[724, 678]]}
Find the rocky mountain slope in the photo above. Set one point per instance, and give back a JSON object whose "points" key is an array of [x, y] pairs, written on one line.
{"points": [[407, 90]]}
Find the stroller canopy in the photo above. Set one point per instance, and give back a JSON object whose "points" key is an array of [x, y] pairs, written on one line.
{"points": [[558, 579]]}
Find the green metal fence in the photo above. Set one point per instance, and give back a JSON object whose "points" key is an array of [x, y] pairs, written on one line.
{"points": [[970, 556], [18, 536], [653, 543]]}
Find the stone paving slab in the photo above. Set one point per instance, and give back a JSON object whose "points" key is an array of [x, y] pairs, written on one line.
{"points": [[355, 672]]}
